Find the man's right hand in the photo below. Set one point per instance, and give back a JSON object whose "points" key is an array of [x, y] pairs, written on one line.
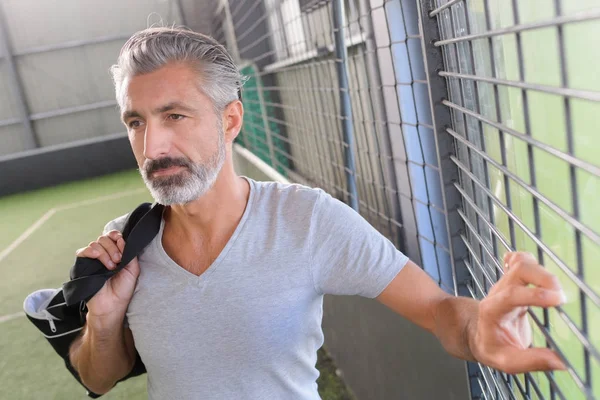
{"points": [[109, 305]]}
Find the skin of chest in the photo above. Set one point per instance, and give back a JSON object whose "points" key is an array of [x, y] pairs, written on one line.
{"points": [[194, 255]]}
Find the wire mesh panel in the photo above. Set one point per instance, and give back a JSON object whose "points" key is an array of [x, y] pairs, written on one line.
{"points": [[369, 141], [524, 95], [297, 77]]}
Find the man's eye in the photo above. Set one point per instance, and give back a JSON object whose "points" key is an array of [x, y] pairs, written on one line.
{"points": [[176, 117], [134, 124]]}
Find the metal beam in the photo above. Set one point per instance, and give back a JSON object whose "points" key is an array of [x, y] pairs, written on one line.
{"points": [[16, 83], [341, 62], [229, 29], [72, 110], [70, 44], [181, 13], [62, 111], [10, 121], [441, 119]]}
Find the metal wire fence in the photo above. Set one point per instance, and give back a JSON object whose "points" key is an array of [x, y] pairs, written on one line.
{"points": [[522, 113], [460, 129], [332, 118]]}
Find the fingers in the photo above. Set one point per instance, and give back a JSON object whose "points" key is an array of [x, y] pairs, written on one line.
{"points": [[103, 255], [111, 248], [524, 269], [505, 301], [513, 256], [121, 244], [107, 249], [90, 251], [517, 361]]}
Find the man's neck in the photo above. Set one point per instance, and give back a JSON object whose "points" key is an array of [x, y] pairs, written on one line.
{"points": [[216, 211]]}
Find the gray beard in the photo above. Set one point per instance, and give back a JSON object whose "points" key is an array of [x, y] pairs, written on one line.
{"points": [[188, 185]]}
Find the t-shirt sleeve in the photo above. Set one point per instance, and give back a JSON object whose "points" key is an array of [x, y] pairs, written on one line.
{"points": [[116, 224], [348, 255]]}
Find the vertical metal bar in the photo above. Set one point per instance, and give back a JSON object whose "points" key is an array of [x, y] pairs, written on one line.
{"points": [[286, 46], [504, 160], [531, 160], [486, 176], [341, 54], [478, 166], [441, 119], [16, 83], [472, 189], [574, 190], [428, 186], [229, 29], [323, 123], [181, 12], [338, 143], [360, 181], [384, 145], [501, 136]]}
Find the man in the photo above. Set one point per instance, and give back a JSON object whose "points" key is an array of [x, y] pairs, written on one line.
{"points": [[226, 302]]}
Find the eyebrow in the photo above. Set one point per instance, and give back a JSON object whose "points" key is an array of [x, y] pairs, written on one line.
{"points": [[174, 105], [130, 114]]}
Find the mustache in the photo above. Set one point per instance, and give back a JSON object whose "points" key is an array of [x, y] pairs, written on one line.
{"points": [[151, 166]]}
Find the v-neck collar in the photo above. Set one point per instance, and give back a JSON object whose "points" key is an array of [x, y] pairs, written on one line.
{"points": [[185, 274]]}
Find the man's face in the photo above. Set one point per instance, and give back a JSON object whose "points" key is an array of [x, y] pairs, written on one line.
{"points": [[175, 134]]}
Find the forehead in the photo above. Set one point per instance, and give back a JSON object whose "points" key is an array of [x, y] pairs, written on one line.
{"points": [[171, 83]]}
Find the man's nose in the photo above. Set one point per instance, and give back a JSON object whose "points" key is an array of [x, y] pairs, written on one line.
{"points": [[157, 141]]}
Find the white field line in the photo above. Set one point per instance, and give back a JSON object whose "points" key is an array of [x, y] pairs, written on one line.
{"points": [[37, 224], [88, 202], [10, 317]]}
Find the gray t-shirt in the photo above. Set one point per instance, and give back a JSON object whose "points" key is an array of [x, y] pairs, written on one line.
{"points": [[249, 327]]}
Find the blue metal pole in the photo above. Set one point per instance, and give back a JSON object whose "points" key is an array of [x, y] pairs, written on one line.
{"points": [[341, 55]]}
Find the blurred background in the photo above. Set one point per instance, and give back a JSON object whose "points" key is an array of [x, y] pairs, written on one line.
{"points": [[460, 129]]}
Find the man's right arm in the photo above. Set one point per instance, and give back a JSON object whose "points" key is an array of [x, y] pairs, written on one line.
{"points": [[105, 351], [103, 356]]}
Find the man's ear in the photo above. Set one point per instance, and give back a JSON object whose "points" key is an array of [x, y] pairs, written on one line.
{"points": [[233, 117]]}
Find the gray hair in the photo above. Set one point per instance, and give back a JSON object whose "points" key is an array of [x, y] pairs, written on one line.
{"points": [[152, 48]]}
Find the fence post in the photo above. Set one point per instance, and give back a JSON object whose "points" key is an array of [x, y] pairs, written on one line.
{"points": [[341, 61], [442, 119], [17, 85], [230, 32]]}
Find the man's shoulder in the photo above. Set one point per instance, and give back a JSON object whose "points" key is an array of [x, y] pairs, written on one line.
{"points": [[285, 202], [116, 224], [287, 193]]}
